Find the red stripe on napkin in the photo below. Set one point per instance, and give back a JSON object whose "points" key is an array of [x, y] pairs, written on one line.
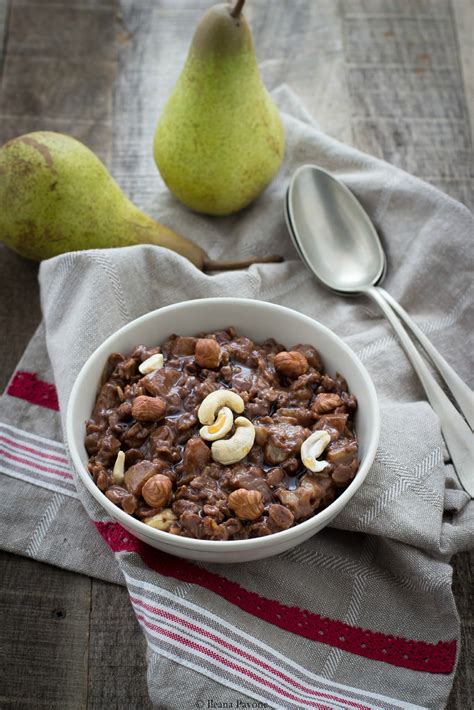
{"points": [[240, 652], [37, 451], [395, 650], [194, 646], [35, 465], [27, 386]]}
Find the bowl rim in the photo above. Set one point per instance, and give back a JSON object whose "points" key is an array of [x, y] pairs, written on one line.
{"points": [[317, 521]]}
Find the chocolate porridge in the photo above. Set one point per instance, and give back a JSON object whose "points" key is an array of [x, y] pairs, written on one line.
{"points": [[217, 437]]}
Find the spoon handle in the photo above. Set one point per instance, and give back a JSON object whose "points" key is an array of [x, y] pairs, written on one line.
{"points": [[463, 396], [457, 435]]}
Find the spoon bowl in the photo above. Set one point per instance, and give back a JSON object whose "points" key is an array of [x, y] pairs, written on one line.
{"points": [[332, 232]]}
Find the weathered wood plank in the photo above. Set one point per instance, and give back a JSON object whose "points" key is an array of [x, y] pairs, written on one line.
{"points": [[399, 8], [84, 33], [117, 652], [408, 107], [442, 149], [407, 95], [43, 86], [59, 72], [44, 635], [4, 10], [49, 83], [92, 4], [300, 44], [42, 91], [19, 303], [400, 40]]}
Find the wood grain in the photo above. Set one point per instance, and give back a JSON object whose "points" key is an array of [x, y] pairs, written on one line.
{"points": [[19, 303], [59, 70], [48, 82], [406, 88], [117, 661], [63, 31], [44, 635], [386, 75], [4, 10]]}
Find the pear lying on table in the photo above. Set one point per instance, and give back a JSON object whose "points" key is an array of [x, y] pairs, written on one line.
{"points": [[57, 196], [220, 140]]}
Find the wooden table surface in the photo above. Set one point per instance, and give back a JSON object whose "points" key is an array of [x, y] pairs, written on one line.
{"points": [[393, 77]]}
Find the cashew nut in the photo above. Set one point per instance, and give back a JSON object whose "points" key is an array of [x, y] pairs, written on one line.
{"points": [[163, 520], [155, 362], [227, 451], [119, 469], [217, 399], [314, 447], [221, 426]]}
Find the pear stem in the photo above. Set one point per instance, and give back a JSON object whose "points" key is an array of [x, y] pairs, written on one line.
{"points": [[237, 9], [212, 265]]}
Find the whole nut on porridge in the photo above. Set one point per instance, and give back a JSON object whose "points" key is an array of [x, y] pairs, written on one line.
{"points": [[155, 362], [326, 402], [163, 520], [207, 353], [164, 447], [221, 427], [229, 451], [291, 364], [217, 399], [148, 409], [157, 491], [313, 447], [247, 505], [137, 475]]}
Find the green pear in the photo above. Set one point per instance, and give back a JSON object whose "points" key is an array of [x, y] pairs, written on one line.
{"points": [[57, 196], [220, 139]]}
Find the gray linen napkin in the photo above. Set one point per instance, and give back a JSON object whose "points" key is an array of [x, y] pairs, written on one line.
{"points": [[361, 615]]}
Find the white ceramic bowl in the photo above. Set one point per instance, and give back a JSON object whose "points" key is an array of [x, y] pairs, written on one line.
{"points": [[258, 320]]}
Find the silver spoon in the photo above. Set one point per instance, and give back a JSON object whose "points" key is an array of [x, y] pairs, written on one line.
{"points": [[337, 241]]}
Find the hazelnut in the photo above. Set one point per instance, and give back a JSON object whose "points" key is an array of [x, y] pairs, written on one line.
{"points": [[326, 402], [247, 505], [148, 409], [291, 364], [311, 354], [208, 353], [137, 475], [157, 491]]}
